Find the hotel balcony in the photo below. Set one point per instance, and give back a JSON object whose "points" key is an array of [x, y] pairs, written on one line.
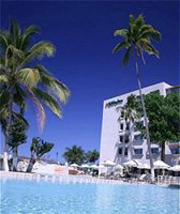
{"points": [[137, 156], [155, 156], [138, 142]]}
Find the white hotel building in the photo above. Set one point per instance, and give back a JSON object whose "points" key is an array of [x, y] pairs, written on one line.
{"points": [[113, 131]]}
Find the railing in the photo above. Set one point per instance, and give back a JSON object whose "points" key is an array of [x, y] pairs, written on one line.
{"points": [[54, 178], [160, 180], [137, 156], [137, 142], [168, 180]]}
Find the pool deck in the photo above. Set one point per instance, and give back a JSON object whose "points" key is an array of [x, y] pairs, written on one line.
{"points": [[59, 178], [54, 178]]}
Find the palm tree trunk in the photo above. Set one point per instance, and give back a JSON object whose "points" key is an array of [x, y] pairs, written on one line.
{"points": [[163, 151], [131, 137], [31, 162], [15, 159], [8, 130], [123, 149], [145, 120]]}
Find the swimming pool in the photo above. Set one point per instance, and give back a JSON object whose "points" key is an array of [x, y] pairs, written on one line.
{"points": [[30, 197]]}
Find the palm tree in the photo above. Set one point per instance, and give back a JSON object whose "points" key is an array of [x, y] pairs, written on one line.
{"points": [[92, 156], [38, 148], [74, 155], [137, 39], [20, 81], [129, 114]]}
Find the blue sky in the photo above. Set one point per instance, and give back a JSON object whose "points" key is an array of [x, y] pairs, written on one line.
{"points": [[82, 31]]}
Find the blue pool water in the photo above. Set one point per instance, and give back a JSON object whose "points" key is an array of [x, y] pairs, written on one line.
{"points": [[25, 197]]}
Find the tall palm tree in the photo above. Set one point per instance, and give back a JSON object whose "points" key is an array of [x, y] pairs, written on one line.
{"points": [[137, 40], [74, 155], [129, 114], [20, 81]]}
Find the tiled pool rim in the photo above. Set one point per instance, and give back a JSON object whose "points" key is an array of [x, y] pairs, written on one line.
{"points": [[64, 178]]}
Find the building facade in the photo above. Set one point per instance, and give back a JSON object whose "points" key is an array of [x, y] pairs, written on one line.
{"points": [[133, 146]]}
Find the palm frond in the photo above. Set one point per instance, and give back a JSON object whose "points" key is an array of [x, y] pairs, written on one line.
{"points": [[49, 101], [28, 77], [53, 85], [12, 54], [127, 56], [150, 49], [121, 32], [151, 33], [38, 51], [20, 96], [19, 117], [131, 22], [40, 110], [4, 37], [26, 37], [3, 78], [4, 98], [121, 45], [139, 21], [145, 27], [14, 32]]}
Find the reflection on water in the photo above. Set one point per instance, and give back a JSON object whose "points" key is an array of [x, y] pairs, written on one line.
{"points": [[126, 199]]}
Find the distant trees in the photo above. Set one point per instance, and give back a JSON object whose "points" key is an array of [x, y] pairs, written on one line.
{"points": [[38, 148], [92, 156], [77, 155]]}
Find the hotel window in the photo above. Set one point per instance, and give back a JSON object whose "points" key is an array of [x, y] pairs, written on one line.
{"points": [[126, 139], [155, 150], [126, 151], [121, 138], [127, 126], [122, 114], [138, 137], [120, 151], [121, 126], [175, 151], [138, 151]]}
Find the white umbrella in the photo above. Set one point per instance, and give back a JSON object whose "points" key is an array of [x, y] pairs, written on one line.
{"points": [[74, 165], [130, 163], [109, 163], [118, 167], [175, 168], [94, 167], [84, 166], [101, 166], [143, 166], [137, 162], [160, 165]]}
